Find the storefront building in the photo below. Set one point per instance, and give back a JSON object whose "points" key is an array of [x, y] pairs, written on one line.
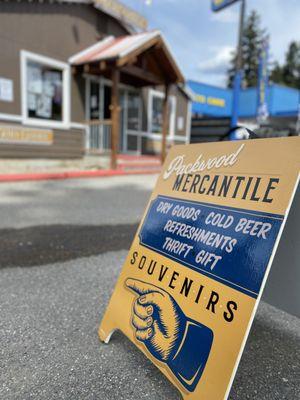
{"points": [[58, 65], [283, 105]]}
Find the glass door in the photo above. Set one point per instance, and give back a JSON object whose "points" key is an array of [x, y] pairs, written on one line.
{"points": [[134, 122], [94, 134], [98, 114], [123, 119]]}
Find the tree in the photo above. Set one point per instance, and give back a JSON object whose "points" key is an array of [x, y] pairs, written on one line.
{"points": [[276, 73], [289, 73], [252, 39]]}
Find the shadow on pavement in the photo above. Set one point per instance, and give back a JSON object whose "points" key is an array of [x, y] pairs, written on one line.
{"points": [[40, 245]]}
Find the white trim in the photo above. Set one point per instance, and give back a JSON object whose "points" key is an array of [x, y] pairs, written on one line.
{"points": [[180, 138], [77, 125], [66, 77], [154, 136], [72, 59], [172, 116], [157, 136], [188, 122], [18, 118], [10, 117]]}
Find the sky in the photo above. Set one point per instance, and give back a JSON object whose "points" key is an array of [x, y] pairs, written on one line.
{"points": [[202, 41]]}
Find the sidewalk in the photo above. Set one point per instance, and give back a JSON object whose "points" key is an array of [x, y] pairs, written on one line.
{"points": [[90, 166]]}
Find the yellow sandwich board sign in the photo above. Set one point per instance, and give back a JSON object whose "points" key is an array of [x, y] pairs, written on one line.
{"points": [[192, 280]]}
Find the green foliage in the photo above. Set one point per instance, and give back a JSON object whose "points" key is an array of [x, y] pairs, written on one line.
{"points": [[253, 35], [289, 73], [252, 39]]}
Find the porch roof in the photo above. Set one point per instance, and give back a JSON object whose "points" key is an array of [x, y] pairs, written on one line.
{"points": [[142, 53]]}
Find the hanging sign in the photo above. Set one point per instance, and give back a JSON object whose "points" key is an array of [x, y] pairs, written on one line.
{"points": [[192, 280], [218, 5]]}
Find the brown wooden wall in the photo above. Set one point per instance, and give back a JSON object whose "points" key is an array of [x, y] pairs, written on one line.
{"points": [[66, 144], [50, 29], [56, 30]]}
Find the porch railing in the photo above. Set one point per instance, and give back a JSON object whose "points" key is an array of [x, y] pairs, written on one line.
{"points": [[98, 135]]}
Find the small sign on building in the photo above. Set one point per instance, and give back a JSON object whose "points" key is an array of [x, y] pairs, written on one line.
{"points": [[194, 275], [13, 134], [6, 90]]}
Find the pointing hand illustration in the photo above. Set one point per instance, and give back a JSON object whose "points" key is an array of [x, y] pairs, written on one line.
{"points": [[157, 319], [168, 334]]}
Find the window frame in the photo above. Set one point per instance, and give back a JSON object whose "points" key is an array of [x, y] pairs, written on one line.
{"points": [[27, 56], [156, 93]]}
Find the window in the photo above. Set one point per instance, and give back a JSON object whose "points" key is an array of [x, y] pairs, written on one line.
{"points": [[155, 113], [45, 91], [133, 111], [94, 101]]}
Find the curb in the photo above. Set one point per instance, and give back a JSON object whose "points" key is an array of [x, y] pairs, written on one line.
{"points": [[72, 175]]}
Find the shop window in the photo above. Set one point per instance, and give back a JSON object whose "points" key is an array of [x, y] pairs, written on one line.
{"points": [[155, 112], [45, 91]]}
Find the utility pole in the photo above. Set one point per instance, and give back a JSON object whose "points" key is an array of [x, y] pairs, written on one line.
{"points": [[239, 69]]}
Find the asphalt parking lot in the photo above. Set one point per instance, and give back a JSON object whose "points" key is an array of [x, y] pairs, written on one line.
{"points": [[62, 246]]}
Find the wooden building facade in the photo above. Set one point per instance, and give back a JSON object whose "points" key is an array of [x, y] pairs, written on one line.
{"points": [[55, 105]]}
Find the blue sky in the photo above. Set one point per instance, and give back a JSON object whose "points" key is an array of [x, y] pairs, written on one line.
{"points": [[202, 41]]}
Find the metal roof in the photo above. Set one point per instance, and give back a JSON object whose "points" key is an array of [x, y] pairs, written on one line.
{"points": [[112, 48], [121, 50]]}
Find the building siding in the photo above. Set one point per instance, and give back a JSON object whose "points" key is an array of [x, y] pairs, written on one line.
{"points": [[66, 144], [57, 31]]}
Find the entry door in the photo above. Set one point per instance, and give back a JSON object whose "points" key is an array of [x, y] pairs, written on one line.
{"points": [[134, 122], [98, 109], [94, 113], [123, 119]]}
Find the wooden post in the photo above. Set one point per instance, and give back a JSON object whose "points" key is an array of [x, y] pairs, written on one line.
{"points": [[165, 124], [114, 118]]}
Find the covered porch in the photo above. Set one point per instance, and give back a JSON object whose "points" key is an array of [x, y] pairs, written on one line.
{"points": [[116, 71]]}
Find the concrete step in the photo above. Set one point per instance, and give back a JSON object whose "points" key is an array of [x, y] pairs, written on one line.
{"points": [[128, 162]]}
